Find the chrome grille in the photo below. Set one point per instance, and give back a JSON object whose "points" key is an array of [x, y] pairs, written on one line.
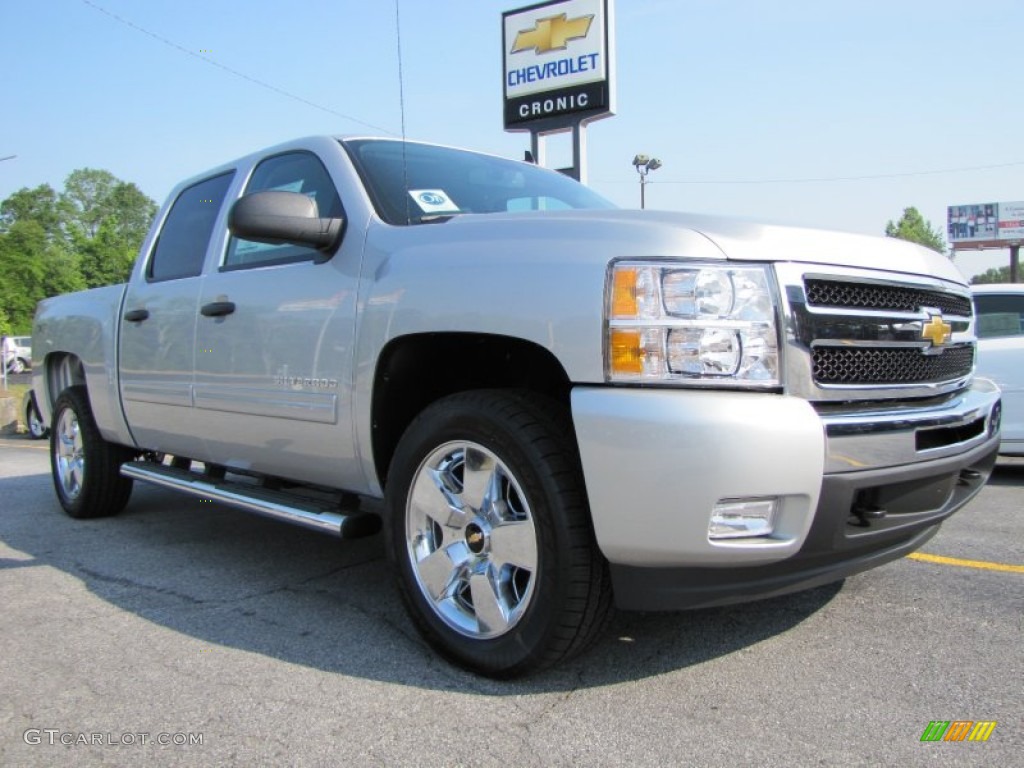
{"points": [[855, 334], [889, 365], [840, 294]]}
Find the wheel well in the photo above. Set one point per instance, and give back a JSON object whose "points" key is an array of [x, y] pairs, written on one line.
{"points": [[414, 371], [63, 370]]}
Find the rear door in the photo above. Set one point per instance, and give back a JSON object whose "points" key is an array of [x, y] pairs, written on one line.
{"points": [[157, 339]]}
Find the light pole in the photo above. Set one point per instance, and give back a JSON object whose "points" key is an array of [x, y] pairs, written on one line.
{"points": [[645, 165]]}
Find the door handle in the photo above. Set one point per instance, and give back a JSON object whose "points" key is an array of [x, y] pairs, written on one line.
{"points": [[136, 315], [218, 308]]}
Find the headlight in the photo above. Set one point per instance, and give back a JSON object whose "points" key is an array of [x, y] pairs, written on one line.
{"points": [[703, 324]]}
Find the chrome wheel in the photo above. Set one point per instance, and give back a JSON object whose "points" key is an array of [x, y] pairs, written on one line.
{"points": [[489, 534], [471, 540], [86, 469], [69, 452], [35, 425]]}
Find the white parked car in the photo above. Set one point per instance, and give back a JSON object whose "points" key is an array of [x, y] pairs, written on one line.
{"points": [[18, 355], [1000, 324]]}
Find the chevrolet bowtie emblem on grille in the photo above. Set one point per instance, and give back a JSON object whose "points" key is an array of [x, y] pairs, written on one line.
{"points": [[936, 330], [552, 33]]}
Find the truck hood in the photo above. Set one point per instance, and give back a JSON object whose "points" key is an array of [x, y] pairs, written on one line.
{"points": [[652, 233]]}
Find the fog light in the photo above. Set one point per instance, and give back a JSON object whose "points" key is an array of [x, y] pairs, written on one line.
{"points": [[742, 518]]}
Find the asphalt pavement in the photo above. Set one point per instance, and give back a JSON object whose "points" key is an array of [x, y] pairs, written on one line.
{"points": [[187, 633]]}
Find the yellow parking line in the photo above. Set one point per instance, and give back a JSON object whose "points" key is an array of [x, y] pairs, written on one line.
{"points": [[982, 564], [41, 446]]}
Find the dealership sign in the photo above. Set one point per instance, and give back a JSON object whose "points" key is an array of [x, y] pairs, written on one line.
{"points": [[557, 64], [986, 225]]}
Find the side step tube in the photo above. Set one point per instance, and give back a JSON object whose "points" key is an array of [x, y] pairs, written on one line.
{"points": [[308, 513]]}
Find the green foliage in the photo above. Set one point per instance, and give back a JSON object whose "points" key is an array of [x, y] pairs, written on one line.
{"points": [[21, 271], [913, 227], [993, 275], [39, 205], [84, 237]]}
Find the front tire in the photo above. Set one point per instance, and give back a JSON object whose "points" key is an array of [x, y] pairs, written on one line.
{"points": [[490, 536], [86, 468]]}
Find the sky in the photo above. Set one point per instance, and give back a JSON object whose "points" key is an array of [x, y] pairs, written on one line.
{"points": [[833, 113]]}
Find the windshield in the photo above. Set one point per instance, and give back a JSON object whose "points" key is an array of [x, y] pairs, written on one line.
{"points": [[419, 183]]}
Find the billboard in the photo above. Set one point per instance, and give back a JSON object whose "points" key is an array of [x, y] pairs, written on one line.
{"points": [[971, 222], [557, 64], [985, 225], [1011, 221]]}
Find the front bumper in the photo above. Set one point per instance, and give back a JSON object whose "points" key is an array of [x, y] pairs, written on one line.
{"points": [[855, 490]]}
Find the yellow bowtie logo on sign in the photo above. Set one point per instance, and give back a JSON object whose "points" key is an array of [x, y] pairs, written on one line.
{"points": [[552, 33]]}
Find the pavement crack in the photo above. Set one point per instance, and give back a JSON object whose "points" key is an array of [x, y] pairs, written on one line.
{"points": [[121, 581]]}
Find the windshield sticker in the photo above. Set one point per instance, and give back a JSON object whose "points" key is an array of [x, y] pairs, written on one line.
{"points": [[433, 201]]}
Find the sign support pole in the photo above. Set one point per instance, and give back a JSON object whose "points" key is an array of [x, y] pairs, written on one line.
{"points": [[579, 149], [537, 147], [1015, 263]]}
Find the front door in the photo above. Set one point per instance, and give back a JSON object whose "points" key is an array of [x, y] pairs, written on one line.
{"points": [[274, 345]]}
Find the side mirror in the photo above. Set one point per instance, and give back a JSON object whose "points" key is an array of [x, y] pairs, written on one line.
{"points": [[279, 218]]}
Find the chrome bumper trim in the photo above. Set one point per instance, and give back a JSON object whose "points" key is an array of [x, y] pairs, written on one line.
{"points": [[883, 438]]}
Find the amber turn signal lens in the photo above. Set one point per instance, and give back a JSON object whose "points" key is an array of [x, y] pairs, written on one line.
{"points": [[624, 302], [626, 354]]}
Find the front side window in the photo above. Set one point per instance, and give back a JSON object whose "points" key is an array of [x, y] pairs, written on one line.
{"points": [[999, 315], [419, 183], [300, 172], [181, 246]]}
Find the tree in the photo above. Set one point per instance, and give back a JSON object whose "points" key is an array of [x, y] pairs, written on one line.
{"points": [[86, 236], [105, 221], [22, 274], [108, 257], [84, 203], [30, 224], [992, 275], [913, 227], [39, 205]]}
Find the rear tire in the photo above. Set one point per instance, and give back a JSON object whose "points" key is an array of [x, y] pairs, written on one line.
{"points": [[85, 467], [489, 534], [36, 429]]}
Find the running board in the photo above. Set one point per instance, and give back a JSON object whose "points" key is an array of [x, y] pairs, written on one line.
{"points": [[306, 512]]}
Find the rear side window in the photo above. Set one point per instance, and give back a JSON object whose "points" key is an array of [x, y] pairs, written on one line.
{"points": [[999, 315], [300, 172], [181, 247]]}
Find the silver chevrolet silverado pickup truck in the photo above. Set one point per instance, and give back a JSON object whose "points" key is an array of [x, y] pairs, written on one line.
{"points": [[563, 405]]}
